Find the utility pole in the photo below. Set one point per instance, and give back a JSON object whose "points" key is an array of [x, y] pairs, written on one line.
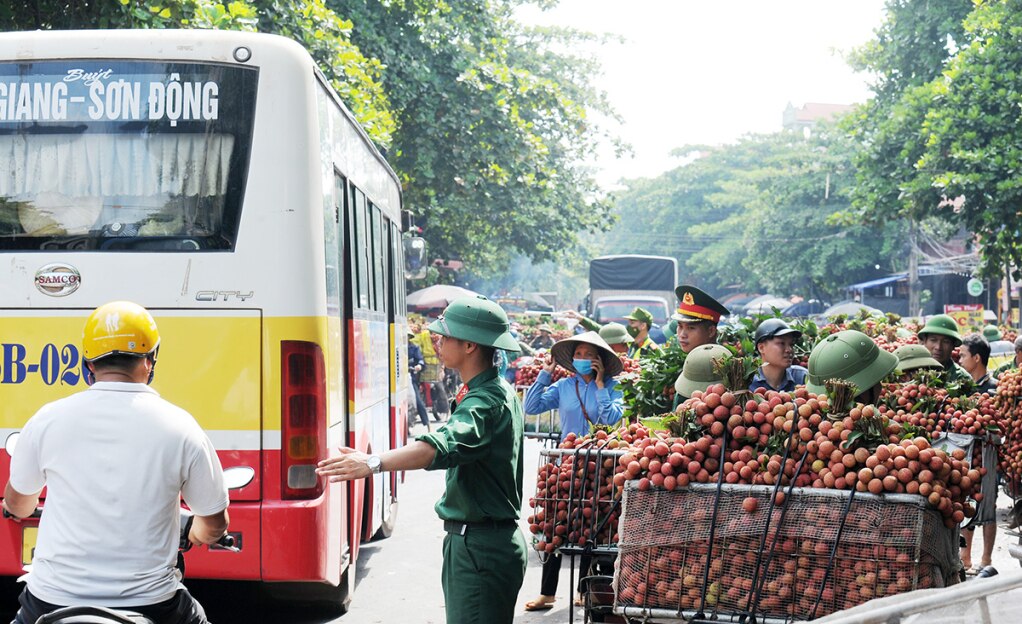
{"points": [[913, 269]]}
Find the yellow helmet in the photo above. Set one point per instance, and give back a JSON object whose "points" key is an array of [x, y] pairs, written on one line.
{"points": [[119, 328]]}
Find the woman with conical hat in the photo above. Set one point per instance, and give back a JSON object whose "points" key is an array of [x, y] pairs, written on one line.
{"points": [[590, 397]]}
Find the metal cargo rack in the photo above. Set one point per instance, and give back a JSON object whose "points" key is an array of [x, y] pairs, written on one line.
{"points": [[596, 589], [871, 531]]}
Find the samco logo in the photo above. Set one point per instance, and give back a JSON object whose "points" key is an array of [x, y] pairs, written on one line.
{"points": [[58, 280]]}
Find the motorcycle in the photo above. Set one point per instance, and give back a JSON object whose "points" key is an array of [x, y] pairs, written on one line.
{"points": [[235, 477]]}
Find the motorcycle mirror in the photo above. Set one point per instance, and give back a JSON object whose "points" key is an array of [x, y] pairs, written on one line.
{"points": [[237, 477], [11, 442]]}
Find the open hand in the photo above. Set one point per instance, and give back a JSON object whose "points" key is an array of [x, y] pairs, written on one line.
{"points": [[350, 464]]}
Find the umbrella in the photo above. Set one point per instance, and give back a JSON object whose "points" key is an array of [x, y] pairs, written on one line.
{"points": [[437, 296], [849, 308], [766, 306]]}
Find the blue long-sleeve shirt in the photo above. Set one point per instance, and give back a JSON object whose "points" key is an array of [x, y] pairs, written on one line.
{"points": [[605, 407]]}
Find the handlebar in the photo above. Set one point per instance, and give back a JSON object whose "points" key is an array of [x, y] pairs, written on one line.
{"points": [[35, 514]]}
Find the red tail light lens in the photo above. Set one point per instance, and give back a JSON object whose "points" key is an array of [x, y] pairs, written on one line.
{"points": [[303, 418]]}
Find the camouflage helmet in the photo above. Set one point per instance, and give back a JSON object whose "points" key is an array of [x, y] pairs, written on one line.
{"points": [[698, 373], [943, 325], [850, 356], [476, 319]]}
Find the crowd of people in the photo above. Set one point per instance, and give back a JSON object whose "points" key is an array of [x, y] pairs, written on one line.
{"points": [[590, 396]]}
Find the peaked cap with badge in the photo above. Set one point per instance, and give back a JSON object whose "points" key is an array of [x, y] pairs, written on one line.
{"points": [[695, 305]]}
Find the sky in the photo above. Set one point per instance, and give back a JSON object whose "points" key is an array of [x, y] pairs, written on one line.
{"points": [[708, 72]]}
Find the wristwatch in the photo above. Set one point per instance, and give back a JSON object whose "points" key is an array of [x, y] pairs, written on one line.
{"points": [[375, 463]]}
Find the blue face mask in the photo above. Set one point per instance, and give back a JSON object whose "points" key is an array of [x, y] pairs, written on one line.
{"points": [[582, 367]]}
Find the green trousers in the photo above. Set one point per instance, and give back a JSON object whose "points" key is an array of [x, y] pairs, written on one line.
{"points": [[483, 571]]}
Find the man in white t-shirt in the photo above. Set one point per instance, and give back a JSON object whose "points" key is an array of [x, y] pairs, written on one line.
{"points": [[116, 460]]}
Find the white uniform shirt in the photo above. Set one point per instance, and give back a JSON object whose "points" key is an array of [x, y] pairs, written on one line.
{"points": [[115, 459]]}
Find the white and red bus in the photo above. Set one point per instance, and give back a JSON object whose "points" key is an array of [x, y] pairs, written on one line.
{"points": [[216, 179]]}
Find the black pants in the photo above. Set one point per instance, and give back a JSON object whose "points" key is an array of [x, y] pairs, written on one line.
{"points": [[552, 570], [420, 405], [181, 609]]}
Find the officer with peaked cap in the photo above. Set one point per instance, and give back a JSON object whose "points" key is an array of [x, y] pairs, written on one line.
{"points": [[850, 356], [480, 446], [775, 344], [697, 316], [639, 323], [940, 335]]}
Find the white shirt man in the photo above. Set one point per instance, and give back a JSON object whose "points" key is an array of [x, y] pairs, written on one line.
{"points": [[116, 459]]}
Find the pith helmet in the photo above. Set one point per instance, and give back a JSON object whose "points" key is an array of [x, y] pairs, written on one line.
{"points": [[564, 353], [943, 325], [119, 328], [774, 328], [476, 319], [911, 357], [698, 373], [992, 333], [851, 356], [615, 333]]}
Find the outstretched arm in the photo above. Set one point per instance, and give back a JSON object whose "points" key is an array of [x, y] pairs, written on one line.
{"points": [[351, 464]]}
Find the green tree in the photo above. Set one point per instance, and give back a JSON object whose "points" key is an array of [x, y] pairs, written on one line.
{"points": [[973, 133], [910, 49], [494, 121], [760, 215], [310, 22]]}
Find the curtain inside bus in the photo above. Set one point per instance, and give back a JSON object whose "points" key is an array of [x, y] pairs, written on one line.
{"points": [[125, 162]]}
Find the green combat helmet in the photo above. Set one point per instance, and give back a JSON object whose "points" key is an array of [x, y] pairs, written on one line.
{"points": [[992, 333], [615, 333], [476, 319], [698, 373], [851, 356], [943, 325], [913, 356]]}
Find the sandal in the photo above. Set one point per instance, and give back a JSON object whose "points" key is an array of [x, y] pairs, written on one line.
{"points": [[973, 571], [539, 605]]}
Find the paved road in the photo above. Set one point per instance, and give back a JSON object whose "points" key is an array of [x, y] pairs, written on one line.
{"points": [[398, 578]]}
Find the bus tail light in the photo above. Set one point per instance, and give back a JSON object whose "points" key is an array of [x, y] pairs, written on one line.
{"points": [[303, 418]]}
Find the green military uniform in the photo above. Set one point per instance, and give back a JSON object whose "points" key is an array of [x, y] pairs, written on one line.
{"points": [[638, 348], [1010, 365], [955, 373], [481, 449], [944, 325]]}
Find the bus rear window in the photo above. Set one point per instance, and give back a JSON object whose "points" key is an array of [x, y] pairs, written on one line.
{"points": [[123, 155]]}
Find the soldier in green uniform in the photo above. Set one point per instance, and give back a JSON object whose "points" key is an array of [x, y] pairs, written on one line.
{"points": [[850, 356], [640, 321], [480, 446], [940, 335], [1013, 363]]}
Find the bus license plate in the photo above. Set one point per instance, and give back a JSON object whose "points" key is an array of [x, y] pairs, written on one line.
{"points": [[28, 539]]}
